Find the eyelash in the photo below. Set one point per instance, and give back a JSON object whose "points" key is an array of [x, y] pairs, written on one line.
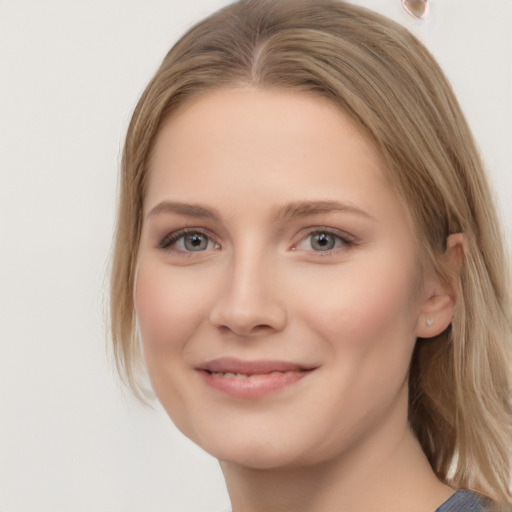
{"points": [[170, 240], [346, 241]]}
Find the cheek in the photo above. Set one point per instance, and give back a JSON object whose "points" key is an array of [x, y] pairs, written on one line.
{"points": [[367, 309], [166, 319], [169, 308]]}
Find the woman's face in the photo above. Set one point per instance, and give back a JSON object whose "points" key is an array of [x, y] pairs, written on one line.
{"points": [[278, 288]]}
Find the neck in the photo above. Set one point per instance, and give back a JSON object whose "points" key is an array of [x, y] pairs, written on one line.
{"points": [[390, 477]]}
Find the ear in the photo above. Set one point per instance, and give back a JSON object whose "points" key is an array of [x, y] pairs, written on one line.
{"points": [[441, 293]]}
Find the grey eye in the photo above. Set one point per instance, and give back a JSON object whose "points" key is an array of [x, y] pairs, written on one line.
{"points": [[195, 242], [323, 241]]}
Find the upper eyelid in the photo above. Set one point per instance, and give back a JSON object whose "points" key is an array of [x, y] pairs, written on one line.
{"points": [[174, 236], [348, 241], [340, 233]]}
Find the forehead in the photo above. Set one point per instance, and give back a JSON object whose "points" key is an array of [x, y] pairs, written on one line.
{"points": [[262, 113], [230, 145]]}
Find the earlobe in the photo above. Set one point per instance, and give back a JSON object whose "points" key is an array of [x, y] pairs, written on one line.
{"points": [[442, 291]]}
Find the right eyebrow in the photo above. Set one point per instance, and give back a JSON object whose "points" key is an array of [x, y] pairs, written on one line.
{"points": [[185, 209]]}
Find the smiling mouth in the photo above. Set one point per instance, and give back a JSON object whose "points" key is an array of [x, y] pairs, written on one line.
{"points": [[251, 379], [248, 376]]}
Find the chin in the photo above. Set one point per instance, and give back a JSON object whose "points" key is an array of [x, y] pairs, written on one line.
{"points": [[262, 448], [258, 456]]}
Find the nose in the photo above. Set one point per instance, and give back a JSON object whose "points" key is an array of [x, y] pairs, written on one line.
{"points": [[250, 302]]}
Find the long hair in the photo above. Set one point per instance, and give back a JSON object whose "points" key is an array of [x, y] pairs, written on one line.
{"points": [[380, 75]]}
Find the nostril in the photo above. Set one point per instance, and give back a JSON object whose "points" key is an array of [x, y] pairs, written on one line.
{"points": [[245, 329], [247, 323], [261, 328]]}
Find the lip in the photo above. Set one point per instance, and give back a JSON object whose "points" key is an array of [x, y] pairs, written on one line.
{"points": [[251, 379]]}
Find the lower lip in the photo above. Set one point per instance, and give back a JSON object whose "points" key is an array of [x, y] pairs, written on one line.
{"points": [[254, 386]]}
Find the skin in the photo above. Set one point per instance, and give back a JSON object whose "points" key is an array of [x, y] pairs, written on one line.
{"points": [[265, 168]]}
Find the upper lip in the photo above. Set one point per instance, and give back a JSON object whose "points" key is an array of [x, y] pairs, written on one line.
{"points": [[257, 367]]}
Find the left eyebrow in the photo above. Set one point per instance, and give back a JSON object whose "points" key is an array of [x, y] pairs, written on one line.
{"points": [[305, 208]]}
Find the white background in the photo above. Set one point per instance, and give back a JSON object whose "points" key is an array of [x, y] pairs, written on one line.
{"points": [[70, 75]]}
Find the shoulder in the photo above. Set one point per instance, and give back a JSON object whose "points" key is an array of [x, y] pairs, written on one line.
{"points": [[464, 501]]}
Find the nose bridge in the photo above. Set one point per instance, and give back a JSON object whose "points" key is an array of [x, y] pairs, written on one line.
{"points": [[250, 280], [249, 301]]}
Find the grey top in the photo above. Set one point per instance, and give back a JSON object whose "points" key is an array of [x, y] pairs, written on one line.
{"points": [[463, 501]]}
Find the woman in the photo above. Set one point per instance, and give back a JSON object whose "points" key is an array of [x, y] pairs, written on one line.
{"points": [[308, 257]]}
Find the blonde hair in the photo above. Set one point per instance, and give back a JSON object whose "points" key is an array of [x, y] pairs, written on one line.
{"points": [[378, 73]]}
